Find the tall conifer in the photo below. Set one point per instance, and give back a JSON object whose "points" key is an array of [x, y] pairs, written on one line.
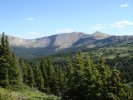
{"points": [[9, 70], [39, 81], [30, 76]]}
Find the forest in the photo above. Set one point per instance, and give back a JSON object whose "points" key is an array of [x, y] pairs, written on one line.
{"points": [[77, 76]]}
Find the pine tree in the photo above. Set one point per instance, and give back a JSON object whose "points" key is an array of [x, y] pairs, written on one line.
{"points": [[104, 75], [78, 69], [116, 89], [30, 76], [10, 72], [60, 81], [103, 69], [14, 72], [24, 70], [75, 90], [97, 83], [43, 66], [79, 63], [4, 77], [70, 71], [90, 79], [52, 77], [65, 79], [39, 81], [4, 64]]}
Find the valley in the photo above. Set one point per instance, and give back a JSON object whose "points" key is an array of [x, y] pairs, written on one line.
{"points": [[65, 42], [67, 69], [66, 50]]}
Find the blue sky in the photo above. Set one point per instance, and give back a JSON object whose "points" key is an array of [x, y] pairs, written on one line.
{"points": [[39, 18]]}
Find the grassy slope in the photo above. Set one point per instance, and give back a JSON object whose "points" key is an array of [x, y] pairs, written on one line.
{"points": [[25, 94], [112, 52]]}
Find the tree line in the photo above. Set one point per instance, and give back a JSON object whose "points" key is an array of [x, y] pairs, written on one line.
{"points": [[77, 78]]}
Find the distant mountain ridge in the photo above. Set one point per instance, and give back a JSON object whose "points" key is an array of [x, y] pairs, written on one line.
{"points": [[99, 35], [64, 41]]}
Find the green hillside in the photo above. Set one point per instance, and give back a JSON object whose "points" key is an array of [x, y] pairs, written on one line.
{"points": [[100, 73], [25, 93]]}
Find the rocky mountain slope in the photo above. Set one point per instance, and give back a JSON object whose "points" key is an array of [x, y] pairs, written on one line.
{"points": [[62, 42]]}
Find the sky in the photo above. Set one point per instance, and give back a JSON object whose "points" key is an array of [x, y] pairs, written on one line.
{"points": [[39, 18]]}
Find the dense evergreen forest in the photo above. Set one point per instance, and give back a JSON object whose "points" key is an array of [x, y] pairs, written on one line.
{"points": [[70, 77]]}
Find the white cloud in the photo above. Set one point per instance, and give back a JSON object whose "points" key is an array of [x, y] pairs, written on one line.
{"points": [[124, 5], [121, 24], [66, 30], [30, 18]]}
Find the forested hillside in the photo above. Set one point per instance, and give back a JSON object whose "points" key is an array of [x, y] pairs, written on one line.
{"points": [[65, 42], [77, 76], [14, 79]]}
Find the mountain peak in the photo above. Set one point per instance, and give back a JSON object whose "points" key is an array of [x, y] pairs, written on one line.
{"points": [[100, 35]]}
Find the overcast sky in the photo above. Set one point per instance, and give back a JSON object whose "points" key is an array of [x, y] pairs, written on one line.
{"points": [[39, 18]]}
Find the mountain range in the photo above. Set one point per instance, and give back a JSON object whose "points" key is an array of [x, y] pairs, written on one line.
{"points": [[64, 42]]}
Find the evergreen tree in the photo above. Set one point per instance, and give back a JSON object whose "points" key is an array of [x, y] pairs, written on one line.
{"points": [[60, 81], [79, 64], [4, 77], [116, 89], [39, 81], [14, 72], [43, 66], [90, 80], [65, 79], [9, 70], [78, 69], [52, 77], [70, 72], [98, 82], [24, 70], [75, 89], [4, 64], [30, 76], [104, 74]]}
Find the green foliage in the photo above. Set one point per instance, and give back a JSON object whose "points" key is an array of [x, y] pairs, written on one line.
{"points": [[70, 71], [95, 82], [60, 81], [52, 77], [30, 76], [39, 81], [76, 77], [4, 77], [27, 73], [24, 70], [14, 72], [25, 93], [9, 70], [43, 67]]}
